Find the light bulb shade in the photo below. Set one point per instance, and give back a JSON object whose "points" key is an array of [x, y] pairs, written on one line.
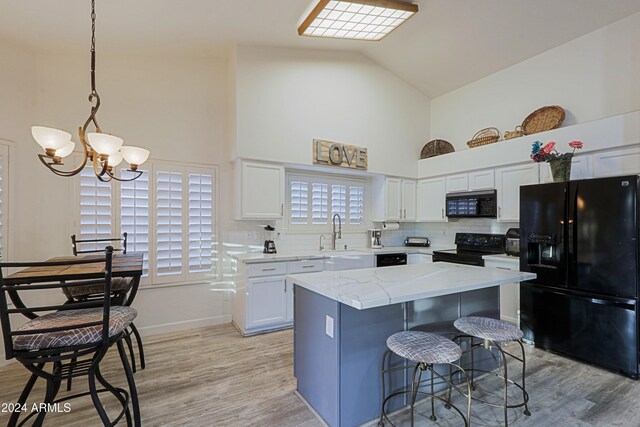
{"points": [[50, 138], [135, 155], [66, 150], [115, 159], [103, 143]]}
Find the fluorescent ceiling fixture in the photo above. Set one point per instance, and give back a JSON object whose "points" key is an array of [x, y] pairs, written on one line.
{"points": [[356, 19]]}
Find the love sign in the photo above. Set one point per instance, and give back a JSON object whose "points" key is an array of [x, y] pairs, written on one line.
{"points": [[337, 154]]}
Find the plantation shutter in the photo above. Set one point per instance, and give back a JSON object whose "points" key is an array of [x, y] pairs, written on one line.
{"points": [[134, 214], [339, 200], [319, 203], [356, 204], [95, 210], [200, 222], [299, 202], [169, 223]]}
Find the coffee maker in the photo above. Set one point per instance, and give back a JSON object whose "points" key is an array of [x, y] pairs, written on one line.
{"points": [[375, 235], [269, 245]]}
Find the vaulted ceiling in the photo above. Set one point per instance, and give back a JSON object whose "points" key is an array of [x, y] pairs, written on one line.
{"points": [[448, 44]]}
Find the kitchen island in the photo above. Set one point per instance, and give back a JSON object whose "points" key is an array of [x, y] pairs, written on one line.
{"points": [[342, 320]]}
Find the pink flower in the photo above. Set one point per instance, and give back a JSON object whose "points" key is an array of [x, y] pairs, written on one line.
{"points": [[575, 144], [548, 147]]}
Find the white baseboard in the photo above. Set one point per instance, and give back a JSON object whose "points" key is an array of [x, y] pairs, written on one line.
{"points": [[184, 325]]}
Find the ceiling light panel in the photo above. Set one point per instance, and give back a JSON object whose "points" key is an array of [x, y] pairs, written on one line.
{"points": [[356, 19]]}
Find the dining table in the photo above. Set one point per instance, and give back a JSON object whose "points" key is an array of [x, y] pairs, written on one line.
{"points": [[129, 265]]}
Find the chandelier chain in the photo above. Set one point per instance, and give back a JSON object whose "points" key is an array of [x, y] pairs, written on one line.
{"points": [[93, 47]]}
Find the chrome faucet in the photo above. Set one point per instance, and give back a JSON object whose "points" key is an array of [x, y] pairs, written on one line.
{"points": [[322, 237], [335, 235]]}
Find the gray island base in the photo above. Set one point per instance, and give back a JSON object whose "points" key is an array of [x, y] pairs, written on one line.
{"points": [[341, 324]]}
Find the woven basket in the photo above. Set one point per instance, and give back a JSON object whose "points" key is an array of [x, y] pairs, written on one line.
{"points": [[435, 148], [514, 134], [543, 119], [484, 137]]}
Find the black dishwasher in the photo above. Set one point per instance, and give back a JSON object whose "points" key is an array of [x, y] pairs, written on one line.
{"points": [[387, 260]]}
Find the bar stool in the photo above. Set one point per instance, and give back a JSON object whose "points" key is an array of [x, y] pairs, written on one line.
{"points": [[425, 349], [495, 332]]}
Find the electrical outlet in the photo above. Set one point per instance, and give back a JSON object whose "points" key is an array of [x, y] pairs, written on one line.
{"points": [[329, 326]]}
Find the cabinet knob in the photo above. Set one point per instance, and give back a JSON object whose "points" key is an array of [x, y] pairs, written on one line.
{"points": [[442, 213]]}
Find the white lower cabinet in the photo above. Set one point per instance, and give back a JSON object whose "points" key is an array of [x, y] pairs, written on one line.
{"points": [[509, 294], [264, 300]]}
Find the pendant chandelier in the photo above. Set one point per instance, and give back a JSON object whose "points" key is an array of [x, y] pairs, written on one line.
{"points": [[103, 150]]}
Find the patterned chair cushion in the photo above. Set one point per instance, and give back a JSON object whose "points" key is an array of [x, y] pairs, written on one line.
{"points": [[119, 319], [489, 329], [118, 284], [424, 347]]}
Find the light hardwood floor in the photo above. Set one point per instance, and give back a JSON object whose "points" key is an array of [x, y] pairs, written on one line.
{"points": [[215, 377]]}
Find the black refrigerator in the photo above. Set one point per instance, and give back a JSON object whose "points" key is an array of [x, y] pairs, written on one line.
{"points": [[581, 239]]}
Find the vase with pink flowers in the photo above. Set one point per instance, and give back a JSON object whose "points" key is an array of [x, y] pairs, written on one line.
{"points": [[560, 163]]}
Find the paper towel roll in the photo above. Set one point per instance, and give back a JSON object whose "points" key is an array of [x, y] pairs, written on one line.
{"points": [[388, 226]]}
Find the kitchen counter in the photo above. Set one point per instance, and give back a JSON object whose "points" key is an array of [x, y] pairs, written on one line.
{"points": [[257, 257], [342, 320], [503, 257], [374, 287]]}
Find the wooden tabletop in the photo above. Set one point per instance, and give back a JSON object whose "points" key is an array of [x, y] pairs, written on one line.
{"points": [[124, 265]]}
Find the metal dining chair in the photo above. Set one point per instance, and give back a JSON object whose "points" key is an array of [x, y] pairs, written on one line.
{"points": [[70, 339], [119, 287]]}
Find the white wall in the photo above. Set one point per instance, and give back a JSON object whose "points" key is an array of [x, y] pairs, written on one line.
{"points": [[591, 77], [175, 106], [286, 98]]}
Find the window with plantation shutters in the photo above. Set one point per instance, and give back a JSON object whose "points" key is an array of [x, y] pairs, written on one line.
{"points": [[356, 204], [134, 215], [96, 217], [169, 223], [319, 203], [168, 214], [200, 222], [313, 200], [299, 191]]}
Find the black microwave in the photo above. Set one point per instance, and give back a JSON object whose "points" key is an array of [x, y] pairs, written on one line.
{"points": [[479, 204]]}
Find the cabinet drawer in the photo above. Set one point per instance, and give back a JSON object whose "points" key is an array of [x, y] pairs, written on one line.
{"points": [[267, 269], [305, 266]]}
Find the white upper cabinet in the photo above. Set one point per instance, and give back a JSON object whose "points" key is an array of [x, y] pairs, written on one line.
{"points": [[408, 200], [431, 200], [616, 162], [399, 200], [393, 199], [580, 169], [482, 180], [508, 182], [261, 193], [457, 183]]}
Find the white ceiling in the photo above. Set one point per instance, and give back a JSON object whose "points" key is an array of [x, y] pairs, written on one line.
{"points": [[448, 44]]}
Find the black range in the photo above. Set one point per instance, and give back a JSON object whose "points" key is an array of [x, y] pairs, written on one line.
{"points": [[471, 247]]}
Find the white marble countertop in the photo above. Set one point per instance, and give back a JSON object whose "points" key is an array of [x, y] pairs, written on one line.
{"points": [[503, 257], [375, 287], [256, 257]]}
